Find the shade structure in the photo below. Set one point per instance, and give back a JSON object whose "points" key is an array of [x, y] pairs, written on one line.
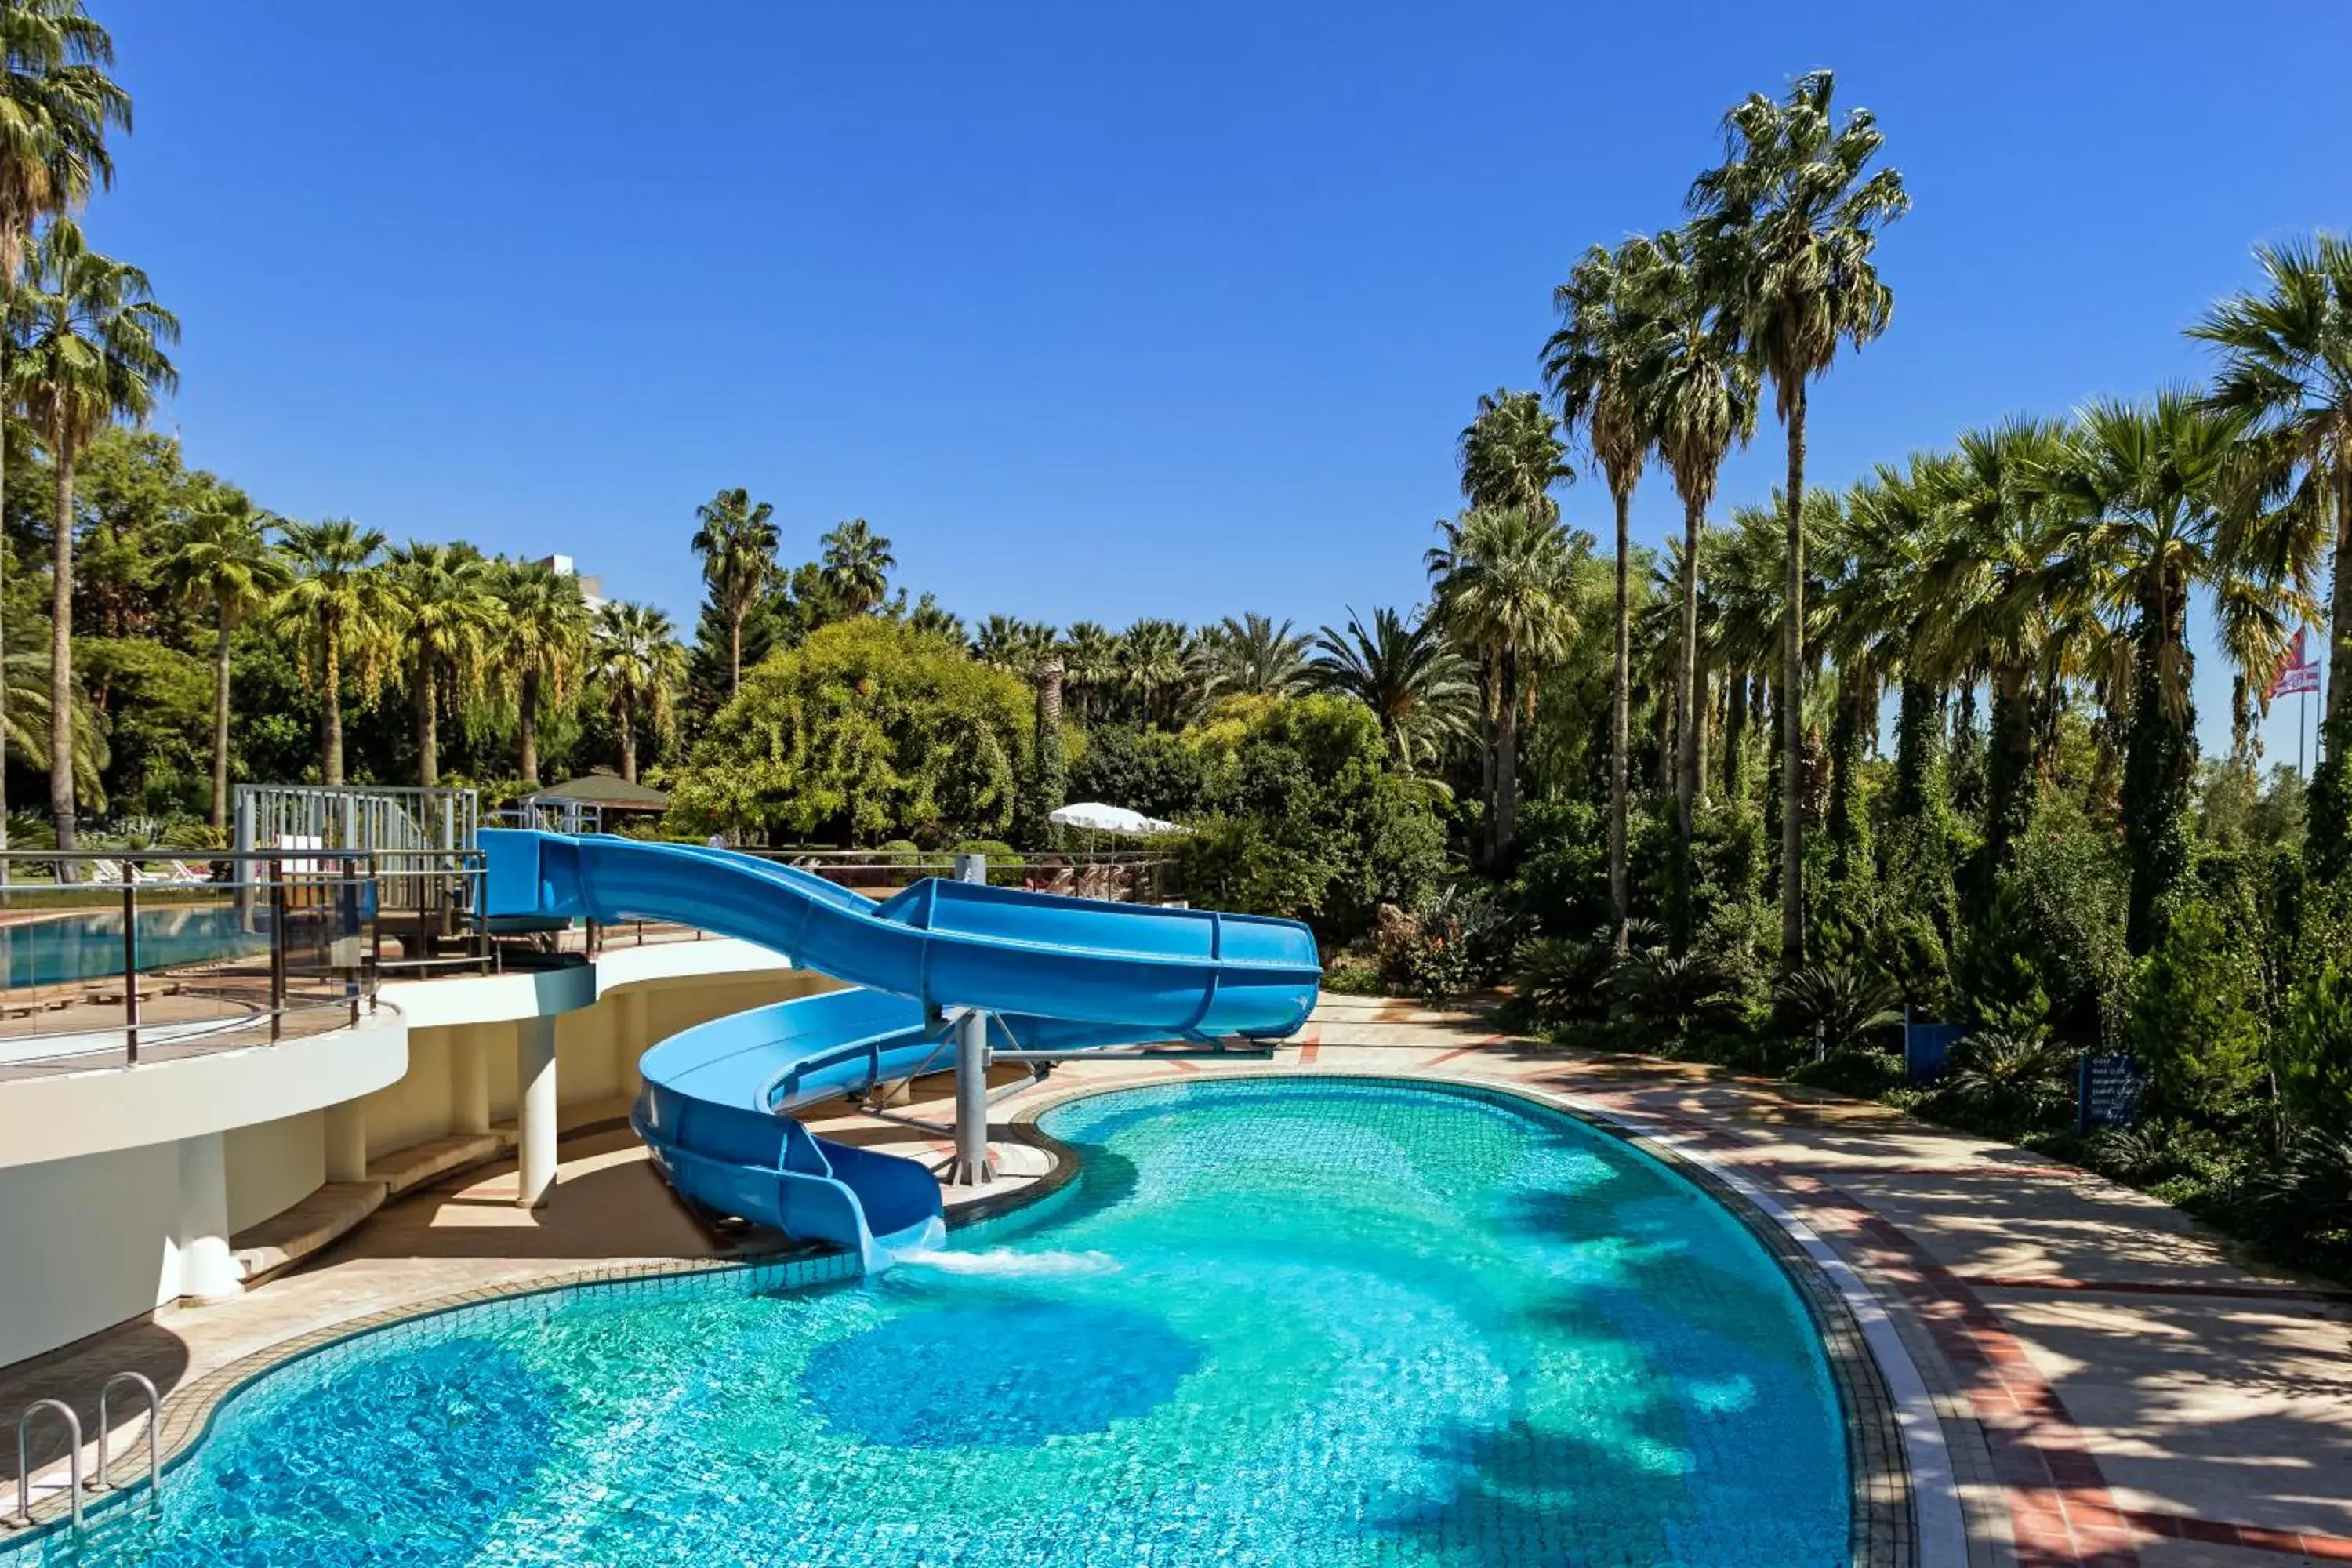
{"points": [[1100, 818]]}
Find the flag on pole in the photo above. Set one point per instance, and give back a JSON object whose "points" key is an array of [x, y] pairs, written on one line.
{"points": [[2293, 674]]}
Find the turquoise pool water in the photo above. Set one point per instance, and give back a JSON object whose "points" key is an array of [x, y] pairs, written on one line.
{"points": [[88, 945], [1280, 1322]]}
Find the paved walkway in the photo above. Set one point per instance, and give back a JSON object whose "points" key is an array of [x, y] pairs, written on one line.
{"points": [[2116, 1389]]}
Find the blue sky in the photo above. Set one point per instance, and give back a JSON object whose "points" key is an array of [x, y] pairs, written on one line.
{"points": [[1104, 311]]}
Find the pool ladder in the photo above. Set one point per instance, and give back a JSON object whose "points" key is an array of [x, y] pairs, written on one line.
{"points": [[75, 1485]]}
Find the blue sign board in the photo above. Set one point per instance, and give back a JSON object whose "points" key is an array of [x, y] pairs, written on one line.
{"points": [[2108, 1092], [1927, 1048]]}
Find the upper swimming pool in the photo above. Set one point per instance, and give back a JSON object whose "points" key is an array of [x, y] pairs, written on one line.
{"points": [[1278, 1322], [88, 944]]}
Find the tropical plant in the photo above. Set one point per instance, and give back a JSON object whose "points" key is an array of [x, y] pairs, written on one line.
{"points": [[1698, 395], [543, 624], [2158, 506], [1566, 980], [2011, 1080], [1250, 656], [1787, 227], [737, 538], [1593, 365], [1090, 656], [340, 614], [57, 104], [1504, 588], [1153, 666], [1834, 1005], [1669, 998], [226, 562], [1421, 692], [639, 664], [856, 563], [1511, 456], [448, 612], [1007, 642], [2286, 371], [89, 349]]}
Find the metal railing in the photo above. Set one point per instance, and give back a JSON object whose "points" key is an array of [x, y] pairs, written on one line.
{"points": [[140, 954]]}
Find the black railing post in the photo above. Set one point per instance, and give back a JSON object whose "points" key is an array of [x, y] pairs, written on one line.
{"points": [[130, 965], [276, 949]]}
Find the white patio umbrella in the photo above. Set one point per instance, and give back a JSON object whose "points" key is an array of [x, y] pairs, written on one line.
{"points": [[1097, 818]]}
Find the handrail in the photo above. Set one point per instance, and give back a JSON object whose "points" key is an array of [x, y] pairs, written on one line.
{"points": [[25, 1457], [154, 1430]]}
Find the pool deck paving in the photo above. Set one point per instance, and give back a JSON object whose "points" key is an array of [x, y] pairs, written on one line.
{"points": [[2115, 1385]]}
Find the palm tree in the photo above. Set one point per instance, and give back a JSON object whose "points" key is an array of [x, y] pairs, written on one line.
{"points": [[1786, 230], [1090, 656], [57, 104], [448, 614], [227, 564], [1698, 395], [1152, 665], [1423, 692], [737, 538], [857, 564], [1593, 365], [1511, 455], [544, 622], [639, 662], [1994, 597], [90, 351], [2159, 506], [1506, 587], [1253, 657], [2286, 369], [341, 614], [1009, 643], [930, 617]]}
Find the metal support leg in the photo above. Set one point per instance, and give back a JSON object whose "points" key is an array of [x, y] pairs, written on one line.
{"points": [[970, 1166]]}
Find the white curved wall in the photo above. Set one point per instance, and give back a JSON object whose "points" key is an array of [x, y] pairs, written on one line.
{"points": [[92, 1225]]}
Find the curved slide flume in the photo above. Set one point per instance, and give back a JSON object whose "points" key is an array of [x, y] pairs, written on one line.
{"points": [[1053, 973]]}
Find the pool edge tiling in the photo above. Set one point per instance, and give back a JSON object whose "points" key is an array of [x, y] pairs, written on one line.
{"points": [[1884, 1531]]}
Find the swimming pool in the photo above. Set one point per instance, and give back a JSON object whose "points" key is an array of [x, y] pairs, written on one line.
{"points": [[1272, 1322], [87, 945]]}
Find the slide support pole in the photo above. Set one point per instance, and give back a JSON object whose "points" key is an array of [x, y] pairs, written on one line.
{"points": [[970, 1166]]}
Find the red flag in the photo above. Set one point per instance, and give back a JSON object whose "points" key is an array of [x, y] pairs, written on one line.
{"points": [[2293, 675]]}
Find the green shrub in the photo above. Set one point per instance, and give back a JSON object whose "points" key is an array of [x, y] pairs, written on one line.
{"points": [[2194, 1022], [1833, 1007], [2008, 1081], [1564, 981], [999, 853]]}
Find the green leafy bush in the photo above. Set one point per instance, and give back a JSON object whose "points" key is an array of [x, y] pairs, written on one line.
{"points": [[2195, 1023], [1833, 1006]]}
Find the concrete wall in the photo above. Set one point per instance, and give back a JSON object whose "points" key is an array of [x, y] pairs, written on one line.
{"points": [[85, 1243], [273, 1165], [91, 1239]]}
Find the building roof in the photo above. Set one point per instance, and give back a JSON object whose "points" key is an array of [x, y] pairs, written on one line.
{"points": [[601, 786]]}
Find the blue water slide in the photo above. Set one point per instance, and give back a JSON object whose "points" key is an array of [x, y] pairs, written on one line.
{"points": [[1052, 973]]}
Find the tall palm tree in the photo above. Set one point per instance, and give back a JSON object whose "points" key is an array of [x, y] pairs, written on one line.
{"points": [[2286, 369], [1506, 586], [2159, 507], [857, 564], [1090, 656], [1592, 364], [1511, 455], [226, 562], [1252, 655], [639, 664], [57, 104], [449, 616], [1996, 599], [90, 350], [1009, 643], [544, 626], [341, 612], [1785, 228], [1423, 692], [932, 616], [737, 538], [1152, 665], [1698, 395]]}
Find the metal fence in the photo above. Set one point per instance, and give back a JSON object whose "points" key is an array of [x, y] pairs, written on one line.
{"points": [[111, 956]]}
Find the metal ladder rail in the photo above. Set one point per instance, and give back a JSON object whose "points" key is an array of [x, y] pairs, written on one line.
{"points": [[25, 1459], [155, 1433]]}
